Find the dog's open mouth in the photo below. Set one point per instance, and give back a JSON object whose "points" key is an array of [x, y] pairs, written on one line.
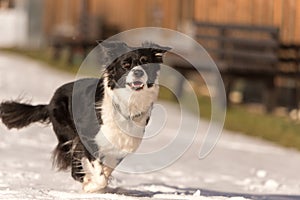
{"points": [[136, 85]]}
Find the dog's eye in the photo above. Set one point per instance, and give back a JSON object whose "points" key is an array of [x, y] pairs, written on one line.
{"points": [[143, 59], [126, 64]]}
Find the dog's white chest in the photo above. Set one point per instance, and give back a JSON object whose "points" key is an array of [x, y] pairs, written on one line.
{"points": [[123, 126]]}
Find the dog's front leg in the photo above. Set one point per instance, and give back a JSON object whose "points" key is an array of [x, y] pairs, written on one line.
{"points": [[94, 179]]}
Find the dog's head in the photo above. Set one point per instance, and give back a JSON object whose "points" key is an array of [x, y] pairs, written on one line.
{"points": [[135, 70]]}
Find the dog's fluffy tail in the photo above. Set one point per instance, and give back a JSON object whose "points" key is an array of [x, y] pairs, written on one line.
{"points": [[18, 115]]}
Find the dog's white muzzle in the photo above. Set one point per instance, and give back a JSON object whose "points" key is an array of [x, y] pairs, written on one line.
{"points": [[136, 78]]}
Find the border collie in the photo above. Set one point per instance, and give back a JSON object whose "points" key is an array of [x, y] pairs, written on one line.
{"points": [[98, 122]]}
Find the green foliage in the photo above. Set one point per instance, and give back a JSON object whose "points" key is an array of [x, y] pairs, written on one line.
{"points": [[276, 129]]}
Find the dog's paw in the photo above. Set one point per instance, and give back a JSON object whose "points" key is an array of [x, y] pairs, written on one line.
{"points": [[94, 179], [94, 184]]}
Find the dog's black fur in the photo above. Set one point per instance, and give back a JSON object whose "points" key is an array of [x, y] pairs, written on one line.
{"points": [[89, 92]]}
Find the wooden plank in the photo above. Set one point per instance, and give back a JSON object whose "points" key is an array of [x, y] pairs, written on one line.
{"points": [[221, 10], [242, 67], [256, 17], [270, 5], [292, 20], [288, 21], [260, 43], [48, 19], [197, 14], [253, 28], [296, 24], [262, 12], [170, 13], [277, 13], [212, 11], [229, 13], [220, 16], [284, 29], [73, 9], [246, 56], [201, 10], [243, 11]]}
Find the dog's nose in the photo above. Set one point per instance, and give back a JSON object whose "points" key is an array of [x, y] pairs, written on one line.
{"points": [[138, 73]]}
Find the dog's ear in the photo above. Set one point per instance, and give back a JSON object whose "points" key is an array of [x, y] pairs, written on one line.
{"points": [[113, 45], [157, 51], [160, 51], [110, 50]]}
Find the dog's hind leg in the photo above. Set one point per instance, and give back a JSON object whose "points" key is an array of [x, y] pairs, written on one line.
{"points": [[77, 170]]}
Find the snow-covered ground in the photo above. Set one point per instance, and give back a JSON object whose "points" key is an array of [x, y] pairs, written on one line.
{"points": [[238, 168]]}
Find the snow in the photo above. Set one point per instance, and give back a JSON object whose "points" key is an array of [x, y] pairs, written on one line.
{"points": [[239, 167], [261, 173]]}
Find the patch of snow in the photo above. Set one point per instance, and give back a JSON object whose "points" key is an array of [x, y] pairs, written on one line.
{"points": [[271, 185], [157, 188], [197, 193], [261, 173]]}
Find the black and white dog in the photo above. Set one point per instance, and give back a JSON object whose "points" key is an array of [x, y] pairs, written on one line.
{"points": [[98, 121]]}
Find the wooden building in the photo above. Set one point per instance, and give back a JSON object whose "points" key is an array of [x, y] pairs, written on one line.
{"points": [[66, 15]]}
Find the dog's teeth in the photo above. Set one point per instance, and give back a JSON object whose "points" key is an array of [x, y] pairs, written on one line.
{"points": [[137, 85]]}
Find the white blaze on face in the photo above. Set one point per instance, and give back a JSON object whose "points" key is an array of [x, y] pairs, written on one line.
{"points": [[131, 78]]}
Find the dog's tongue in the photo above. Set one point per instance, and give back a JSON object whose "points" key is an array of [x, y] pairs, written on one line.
{"points": [[137, 84]]}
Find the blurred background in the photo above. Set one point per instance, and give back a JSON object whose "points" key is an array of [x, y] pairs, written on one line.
{"points": [[255, 44], [34, 22]]}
